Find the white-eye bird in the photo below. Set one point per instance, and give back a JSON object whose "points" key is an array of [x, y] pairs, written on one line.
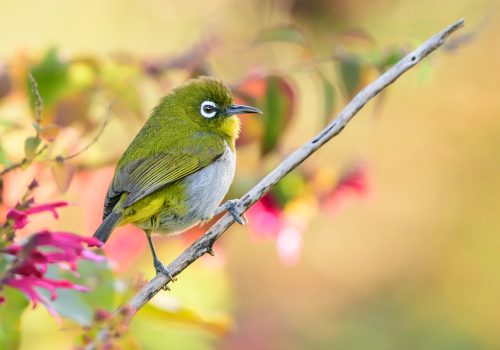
{"points": [[179, 167]]}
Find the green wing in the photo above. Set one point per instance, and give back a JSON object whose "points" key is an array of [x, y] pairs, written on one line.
{"points": [[145, 176]]}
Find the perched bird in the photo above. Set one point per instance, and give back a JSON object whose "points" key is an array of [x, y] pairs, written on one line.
{"points": [[179, 167]]}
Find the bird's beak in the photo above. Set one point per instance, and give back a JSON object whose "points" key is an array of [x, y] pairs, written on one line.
{"points": [[240, 109]]}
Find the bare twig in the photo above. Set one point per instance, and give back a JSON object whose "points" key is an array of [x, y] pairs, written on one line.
{"points": [[38, 119], [38, 103], [22, 162], [94, 140], [26, 161], [204, 244]]}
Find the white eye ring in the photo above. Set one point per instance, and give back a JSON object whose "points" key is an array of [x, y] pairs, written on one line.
{"points": [[208, 109]]}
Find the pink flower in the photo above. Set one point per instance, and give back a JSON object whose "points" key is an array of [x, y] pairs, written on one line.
{"points": [[354, 182], [28, 269], [265, 219], [289, 245], [27, 285], [64, 240], [20, 217]]}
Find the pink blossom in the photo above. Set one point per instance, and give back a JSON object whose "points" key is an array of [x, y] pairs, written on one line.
{"points": [[265, 218], [20, 216], [27, 285], [64, 240], [289, 245], [28, 270], [354, 182]]}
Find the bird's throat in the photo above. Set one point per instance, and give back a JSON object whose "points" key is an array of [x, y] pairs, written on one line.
{"points": [[231, 128]]}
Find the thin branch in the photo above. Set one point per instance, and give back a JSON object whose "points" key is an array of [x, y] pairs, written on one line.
{"points": [[38, 103], [38, 119], [26, 161], [204, 244], [23, 161], [94, 140]]}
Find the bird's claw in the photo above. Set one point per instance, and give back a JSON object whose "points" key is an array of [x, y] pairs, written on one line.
{"points": [[160, 268], [230, 206], [240, 219]]}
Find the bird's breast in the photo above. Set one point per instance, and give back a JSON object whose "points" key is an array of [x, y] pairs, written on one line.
{"points": [[207, 187], [204, 190]]}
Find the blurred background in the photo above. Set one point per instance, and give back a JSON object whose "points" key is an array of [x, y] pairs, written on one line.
{"points": [[387, 238]]}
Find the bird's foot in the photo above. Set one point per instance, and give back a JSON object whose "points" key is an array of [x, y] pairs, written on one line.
{"points": [[231, 206], [160, 268]]}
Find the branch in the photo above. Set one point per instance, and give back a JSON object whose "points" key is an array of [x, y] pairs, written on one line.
{"points": [[22, 162], [204, 244], [94, 140], [38, 120], [38, 102]]}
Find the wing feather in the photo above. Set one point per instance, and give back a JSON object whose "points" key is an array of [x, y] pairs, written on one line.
{"points": [[144, 176]]}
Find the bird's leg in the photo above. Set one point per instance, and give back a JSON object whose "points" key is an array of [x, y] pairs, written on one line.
{"points": [[230, 206], [159, 267]]}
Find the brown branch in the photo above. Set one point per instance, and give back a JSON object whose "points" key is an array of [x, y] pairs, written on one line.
{"points": [[204, 244]]}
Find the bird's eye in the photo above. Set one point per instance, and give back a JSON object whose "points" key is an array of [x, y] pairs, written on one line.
{"points": [[208, 109]]}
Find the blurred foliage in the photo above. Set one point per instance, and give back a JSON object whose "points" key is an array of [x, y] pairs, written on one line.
{"points": [[80, 307], [10, 321], [428, 216]]}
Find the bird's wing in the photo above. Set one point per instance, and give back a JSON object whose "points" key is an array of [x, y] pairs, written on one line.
{"points": [[145, 176]]}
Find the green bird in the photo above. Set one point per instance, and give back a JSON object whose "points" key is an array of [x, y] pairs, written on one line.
{"points": [[179, 167]]}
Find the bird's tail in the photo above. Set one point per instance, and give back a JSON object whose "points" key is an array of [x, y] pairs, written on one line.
{"points": [[107, 226]]}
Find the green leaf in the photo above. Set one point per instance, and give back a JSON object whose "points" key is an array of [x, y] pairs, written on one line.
{"points": [[79, 306], [283, 33], [154, 336], [70, 304], [7, 124], [278, 109], [425, 71], [179, 325], [3, 158], [100, 279], [291, 186], [329, 98], [10, 317], [122, 81], [174, 311], [30, 147], [350, 74], [51, 75], [390, 59]]}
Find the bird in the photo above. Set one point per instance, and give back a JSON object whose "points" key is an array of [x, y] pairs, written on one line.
{"points": [[180, 165]]}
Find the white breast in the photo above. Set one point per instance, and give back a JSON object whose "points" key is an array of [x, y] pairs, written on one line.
{"points": [[207, 187]]}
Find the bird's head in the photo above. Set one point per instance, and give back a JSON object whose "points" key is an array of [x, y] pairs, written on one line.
{"points": [[209, 103]]}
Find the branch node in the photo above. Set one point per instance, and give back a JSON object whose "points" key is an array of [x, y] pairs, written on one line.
{"points": [[210, 251]]}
